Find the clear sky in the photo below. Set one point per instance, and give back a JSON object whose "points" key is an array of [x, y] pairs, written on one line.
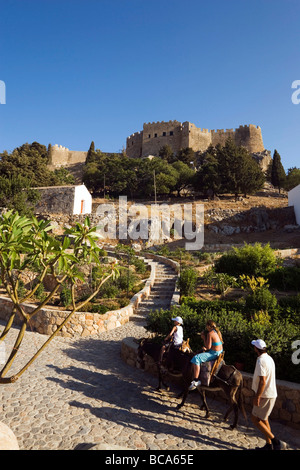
{"points": [[83, 70]]}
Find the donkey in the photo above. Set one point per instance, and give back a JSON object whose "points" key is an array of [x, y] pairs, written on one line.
{"points": [[228, 378]]}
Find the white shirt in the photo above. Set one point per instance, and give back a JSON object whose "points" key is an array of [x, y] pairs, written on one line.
{"points": [[265, 367], [178, 336]]}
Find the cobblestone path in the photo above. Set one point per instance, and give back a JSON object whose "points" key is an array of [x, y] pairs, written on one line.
{"points": [[79, 393]]}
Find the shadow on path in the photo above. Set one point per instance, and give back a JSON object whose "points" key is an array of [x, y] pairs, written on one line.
{"points": [[125, 396]]}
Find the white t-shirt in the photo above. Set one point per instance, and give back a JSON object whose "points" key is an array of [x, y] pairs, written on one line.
{"points": [[178, 336], [265, 367]]}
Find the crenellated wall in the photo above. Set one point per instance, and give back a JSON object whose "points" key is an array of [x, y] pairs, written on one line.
{"points": [[62, 156], [246, 136], [181, 135]]}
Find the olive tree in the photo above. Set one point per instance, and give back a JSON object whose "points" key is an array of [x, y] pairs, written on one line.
{"points": [[28, 244]]}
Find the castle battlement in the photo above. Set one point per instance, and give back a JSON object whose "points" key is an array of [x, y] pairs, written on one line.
{"points": [[60, 148], [179, 135], [135, 134], [62, 156]]}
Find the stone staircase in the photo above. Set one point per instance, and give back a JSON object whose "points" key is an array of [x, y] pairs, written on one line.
{"points": [[161, 292]]}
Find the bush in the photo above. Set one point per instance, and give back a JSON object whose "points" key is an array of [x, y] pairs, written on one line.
{"points": [[256, 260], [237, 330], [126, 280], [65, 296], [98, 308], [109, 290], [40, 293], [292, 302], [139, 264], [187, 281], [261, 299], [285, 278], [212, 307], [220, 281]]}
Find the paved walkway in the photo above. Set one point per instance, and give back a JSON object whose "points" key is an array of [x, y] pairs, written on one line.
{"points": [[79, 393]]}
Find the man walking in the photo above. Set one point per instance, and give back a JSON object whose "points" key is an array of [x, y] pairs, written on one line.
{"points": [[264, 386]]}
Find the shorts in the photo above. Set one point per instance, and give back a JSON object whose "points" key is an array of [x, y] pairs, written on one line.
{"points": [[265, 408], [206, 356]]}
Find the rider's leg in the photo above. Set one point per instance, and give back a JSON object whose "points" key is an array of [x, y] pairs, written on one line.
{"points": [[196, 371], [161, 354]]}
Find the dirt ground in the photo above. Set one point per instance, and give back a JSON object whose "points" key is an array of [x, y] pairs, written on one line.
{"points": [[268, 199], [278, 238]]}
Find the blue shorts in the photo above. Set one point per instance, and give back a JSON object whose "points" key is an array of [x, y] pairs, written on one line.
{"points": [[206, 356]]}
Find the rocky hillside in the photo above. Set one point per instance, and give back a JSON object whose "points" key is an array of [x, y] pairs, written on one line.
{"points": [[264, 217]]}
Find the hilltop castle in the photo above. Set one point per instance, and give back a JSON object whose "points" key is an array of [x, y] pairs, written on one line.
{"points": [[178, 135]]}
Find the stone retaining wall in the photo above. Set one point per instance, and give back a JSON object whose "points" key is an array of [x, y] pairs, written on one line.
{"points": [[85, 324], [287, 406], [81, 324]]}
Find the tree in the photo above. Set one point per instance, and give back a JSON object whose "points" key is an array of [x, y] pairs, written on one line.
{"points": [[186, 155], [292, 178], [278, 176], [26, 244], [252, 177], [207, 178], [166, 153], [30, 162], [184, 176], [91, 154], [239, 172], [16, 193], [165, 177]]}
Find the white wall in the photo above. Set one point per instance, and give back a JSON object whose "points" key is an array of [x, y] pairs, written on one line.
{"points": [[82, 200], [294, 200]]}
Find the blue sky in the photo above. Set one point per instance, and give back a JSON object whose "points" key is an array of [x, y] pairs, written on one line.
{"points": [[83, 70]]}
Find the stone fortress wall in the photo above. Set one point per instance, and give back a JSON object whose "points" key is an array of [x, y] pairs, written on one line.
{"points": [[178, 135], [62, 156]]}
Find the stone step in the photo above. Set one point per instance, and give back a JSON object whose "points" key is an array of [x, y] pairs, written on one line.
{"points": [[162, 288], [153, 305], [160, 295], [165, 276], [165, 270]]}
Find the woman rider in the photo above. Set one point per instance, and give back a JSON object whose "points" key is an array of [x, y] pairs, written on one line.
{"points": [[213, 347]]}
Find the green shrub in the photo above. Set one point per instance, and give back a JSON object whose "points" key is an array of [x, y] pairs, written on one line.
{"points": [[40, 293], [256, 260], [220, 281], [126, 280], [22, 291], [139, 264], [98, 308], [285, 278], [261, 299], [237, 330], [65, 296], [187, 281], [211, 307], [109, 290], [292, 301]]}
